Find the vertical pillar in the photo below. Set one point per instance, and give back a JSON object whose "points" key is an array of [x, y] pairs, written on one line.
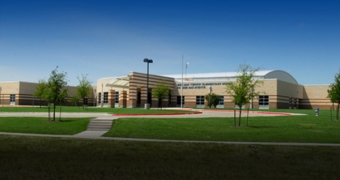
{"points": [[122, 99], [144, 96], [111, 98]]}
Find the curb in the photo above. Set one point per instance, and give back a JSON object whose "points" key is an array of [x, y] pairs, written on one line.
{"points": [[174, 114]]}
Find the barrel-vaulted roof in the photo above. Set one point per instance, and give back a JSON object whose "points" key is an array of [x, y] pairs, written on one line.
{"points": [[228, 76]]}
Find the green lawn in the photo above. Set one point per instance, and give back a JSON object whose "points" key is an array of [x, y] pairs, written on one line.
{"points": [[92, 109], [60, 158], [40, 125], [307, 128]]}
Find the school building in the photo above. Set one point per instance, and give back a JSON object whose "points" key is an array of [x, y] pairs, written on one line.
{"points": [[279, 90]]}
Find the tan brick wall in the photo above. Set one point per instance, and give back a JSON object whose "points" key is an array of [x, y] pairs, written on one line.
{"points": [[24, 94], [316, 96]]}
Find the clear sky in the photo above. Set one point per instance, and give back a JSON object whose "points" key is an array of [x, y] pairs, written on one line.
{"points": [[104, 38]]}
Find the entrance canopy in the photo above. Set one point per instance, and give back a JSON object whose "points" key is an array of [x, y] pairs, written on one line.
{"points": [[120, 82]]}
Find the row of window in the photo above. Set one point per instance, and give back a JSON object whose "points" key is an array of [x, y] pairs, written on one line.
{"points": [[106, 97], [263, 100]]}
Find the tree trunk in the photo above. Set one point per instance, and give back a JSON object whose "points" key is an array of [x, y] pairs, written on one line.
{"points": [[239, 116], [60, 113], [53, 111], [337, 112], [49, 110], [234, 117], [247, 116]]}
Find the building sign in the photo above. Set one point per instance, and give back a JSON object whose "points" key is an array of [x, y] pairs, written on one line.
{"points": [[198, 85]]}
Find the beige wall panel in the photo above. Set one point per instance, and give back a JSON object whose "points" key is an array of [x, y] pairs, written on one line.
{"points": [[10, 87], [315, 92], [289, 89], [269, 87]]}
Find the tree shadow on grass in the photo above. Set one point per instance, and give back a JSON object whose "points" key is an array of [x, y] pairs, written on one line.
{"points": [[262, 127], [67, 120], [61, 121]]}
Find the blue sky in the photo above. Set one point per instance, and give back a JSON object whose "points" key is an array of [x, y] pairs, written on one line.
{"points": [[104, 38]]}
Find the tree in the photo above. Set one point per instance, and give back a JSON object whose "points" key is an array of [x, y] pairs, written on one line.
{"points": [[56, 89], [84, 88], [41, 90], [74, 100], [160, 92], [242, 90], [212, 99], [334, 93]]}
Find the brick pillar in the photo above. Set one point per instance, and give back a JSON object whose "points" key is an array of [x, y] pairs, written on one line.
{"points": [[143, 96], [122, 99], [111, 98]]}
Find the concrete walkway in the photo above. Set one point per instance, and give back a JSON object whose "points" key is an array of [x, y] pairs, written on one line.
{"points": [[95, 135], [97, 127]]}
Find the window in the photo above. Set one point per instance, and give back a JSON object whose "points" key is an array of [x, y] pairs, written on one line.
{"points": [[99, 98], [106, 98], [12, 99], [179, 100], [221, 102], [116, 97], [169, 98], [199, 100], [263, 101], [85, 101]]}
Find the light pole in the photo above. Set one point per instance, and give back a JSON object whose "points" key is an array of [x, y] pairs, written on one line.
{"points": [[182, 85], [186, 67], [147, 104]]}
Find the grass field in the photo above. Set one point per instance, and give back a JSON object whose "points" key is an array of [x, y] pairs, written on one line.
{"points": [[56, 158], [40, 125], [260, 129], [68, 158], [307, 128]]}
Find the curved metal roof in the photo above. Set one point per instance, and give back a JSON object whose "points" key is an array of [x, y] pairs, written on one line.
{"points": [[269, 74], [280, 75]]}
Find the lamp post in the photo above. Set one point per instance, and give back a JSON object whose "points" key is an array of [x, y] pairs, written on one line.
{"points": [[186, 68], [182, 85], [147, 104]]}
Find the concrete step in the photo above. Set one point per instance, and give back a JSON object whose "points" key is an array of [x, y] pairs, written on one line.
{"points": [[100, 125]]}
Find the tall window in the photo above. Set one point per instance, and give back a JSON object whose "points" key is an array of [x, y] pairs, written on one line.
{"points": [[169, 98], [199, 100], [106, 98], [221, 102], [116, 97], [85, 101], [263, 101], [179, 100], [12, 99], [99, 98]]}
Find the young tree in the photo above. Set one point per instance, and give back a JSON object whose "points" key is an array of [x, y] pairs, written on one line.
{"points": [[242, 90], [212, 99], [160, 92], [56, 92], [84, 88], [41, 90], [334, 93]]}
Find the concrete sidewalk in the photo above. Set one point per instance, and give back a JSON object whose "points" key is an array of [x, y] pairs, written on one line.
{"points": [[95, 135], [40, 114]]}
